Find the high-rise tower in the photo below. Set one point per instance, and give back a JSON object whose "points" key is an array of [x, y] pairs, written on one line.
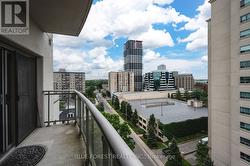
{"points": [[133, 52], [229, 82]]}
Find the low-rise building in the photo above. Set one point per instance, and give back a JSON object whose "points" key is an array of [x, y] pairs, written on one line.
{"points": [[143, 124]]}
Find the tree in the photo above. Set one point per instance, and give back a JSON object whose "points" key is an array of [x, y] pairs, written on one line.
{"points": [[200, 94], [113, 119], [197, 94], [174, 155], [124, 132], [113, 99], [129, 112], [123, 107], [187, 95], [178, 95], [202, 156], [100, 107], [90, 92], [104, 94], [122, 129], [116, 103], [151, 137], [108, 93], [135, 118]]}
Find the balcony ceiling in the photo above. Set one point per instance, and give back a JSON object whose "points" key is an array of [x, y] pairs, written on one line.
{"points": [[60, 16]]}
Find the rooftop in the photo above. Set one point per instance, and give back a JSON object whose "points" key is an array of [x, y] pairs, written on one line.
{"points": [[167, 113]]}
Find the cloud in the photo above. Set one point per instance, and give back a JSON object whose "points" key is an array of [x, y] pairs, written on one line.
{"points": [[129, 18], [95, 62], [204, 58], [163, 2], [155, 38], [111, 20], [150, 55], [198, 38]]}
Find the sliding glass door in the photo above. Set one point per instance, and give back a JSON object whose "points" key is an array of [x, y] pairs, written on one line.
{"points": [[7, 100]]}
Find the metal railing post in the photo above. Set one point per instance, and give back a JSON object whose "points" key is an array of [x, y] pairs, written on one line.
{"points": [[80, 115], [87, 137], [76, 102], [68, 107], [48, 109]]}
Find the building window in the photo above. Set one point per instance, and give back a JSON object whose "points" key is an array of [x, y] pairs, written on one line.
{"points": [[245, 126], [244, 141], [245, 18], [245, 33], [245, 110], [245, 49], [244, 64], [244, 3], [245, 95], [244, 80], [244, 156]]}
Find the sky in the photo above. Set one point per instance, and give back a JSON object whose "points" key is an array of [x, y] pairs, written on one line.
{"points": [[174, 33]]}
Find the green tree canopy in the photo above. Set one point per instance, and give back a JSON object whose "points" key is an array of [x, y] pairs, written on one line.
{"points": [[100, 107], [116, 102], [187, 95], [113, 119], [129, 112], [151, 137], [178, 95], [123, 129], [202, 156], [123, 107], [135, 118], [174, 155], [90, 92]]}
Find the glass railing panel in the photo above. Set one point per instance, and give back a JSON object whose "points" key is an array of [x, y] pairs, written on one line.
{"points": [[97, 143], [103, 144]]}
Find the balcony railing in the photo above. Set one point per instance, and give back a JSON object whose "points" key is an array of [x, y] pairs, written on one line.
{"points": [[104, 146]]}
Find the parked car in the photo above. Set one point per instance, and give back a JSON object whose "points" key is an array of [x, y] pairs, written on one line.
{"points": [[204, 141]]}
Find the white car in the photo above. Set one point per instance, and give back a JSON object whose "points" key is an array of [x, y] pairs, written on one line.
{"points": [[204, 140]]}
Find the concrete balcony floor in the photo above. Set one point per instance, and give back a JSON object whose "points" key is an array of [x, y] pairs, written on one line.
{"points": [[63, 145]]}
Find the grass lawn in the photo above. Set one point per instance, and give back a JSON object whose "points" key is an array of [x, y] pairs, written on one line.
{"points": [[191, 137], [184, 163], [110, 102], [159, 145], [136, 129]]}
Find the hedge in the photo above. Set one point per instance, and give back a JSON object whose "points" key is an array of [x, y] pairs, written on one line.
{"points": [[185, 128]]}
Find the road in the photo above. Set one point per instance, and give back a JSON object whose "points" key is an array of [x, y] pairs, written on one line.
{"points": [[188, 150], [142, 151]]}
